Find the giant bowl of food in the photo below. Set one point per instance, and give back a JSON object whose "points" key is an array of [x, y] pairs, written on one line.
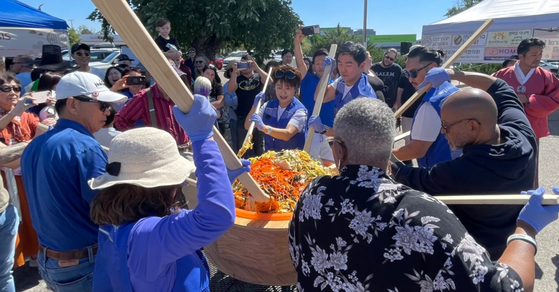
{"points": [[255, 249]]}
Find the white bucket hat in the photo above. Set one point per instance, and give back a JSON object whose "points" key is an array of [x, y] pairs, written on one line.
{"points": [[86, 84], [145, 157]]}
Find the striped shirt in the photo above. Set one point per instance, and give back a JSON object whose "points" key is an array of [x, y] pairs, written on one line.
{"points": [[138, 109]]}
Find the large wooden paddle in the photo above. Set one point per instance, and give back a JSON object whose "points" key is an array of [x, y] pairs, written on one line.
{"points": [[481, 30], [119, 14], [320, 97], [247, 144]]}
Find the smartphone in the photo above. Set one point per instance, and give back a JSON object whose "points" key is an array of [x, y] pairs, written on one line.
{"points": [[135, 80], [309, 30], [42, 96], [243, 65]]}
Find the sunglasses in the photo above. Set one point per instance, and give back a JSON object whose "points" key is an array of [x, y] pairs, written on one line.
{"points": [[198, 62], [8, 88], [413, 73], [103, 105], [331, 141], [388, 57], [81, 54], [447, 127], [287, 74]]}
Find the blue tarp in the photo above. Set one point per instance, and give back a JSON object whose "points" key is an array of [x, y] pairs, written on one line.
{"points": [[17, 14]]}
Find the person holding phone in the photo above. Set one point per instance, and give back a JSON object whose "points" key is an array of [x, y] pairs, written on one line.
{"points": [[246, 86], [21, 127], [284, 119]]}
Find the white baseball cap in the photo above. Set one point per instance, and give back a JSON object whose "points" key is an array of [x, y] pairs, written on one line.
{"points": [[86, 84]]}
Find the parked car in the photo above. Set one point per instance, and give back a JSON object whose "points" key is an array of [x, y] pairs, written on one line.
{"points": [[233, 57], [219, 62], [110, 60], [550, 67]]}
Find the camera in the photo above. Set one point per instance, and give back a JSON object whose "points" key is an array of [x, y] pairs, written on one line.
{"points": [[135, 80], [309, 30], [243, 65]]}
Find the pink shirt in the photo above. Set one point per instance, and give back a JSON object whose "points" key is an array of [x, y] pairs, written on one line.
{"points": [[542, 90]]}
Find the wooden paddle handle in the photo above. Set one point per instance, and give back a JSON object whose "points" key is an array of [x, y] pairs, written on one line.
{"points": [[119, 14], [320, 97], [481, 30], [258, 105]]}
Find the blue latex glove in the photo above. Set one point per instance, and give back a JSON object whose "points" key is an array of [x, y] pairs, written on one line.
{"points": [[259, 96], [233, 174], [535, 214], [198, 123], [327, 61], [436, 77], [257, 121], [316, 123]]}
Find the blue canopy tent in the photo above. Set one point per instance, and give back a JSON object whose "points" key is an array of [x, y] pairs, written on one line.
{"points": [[24, 30]]}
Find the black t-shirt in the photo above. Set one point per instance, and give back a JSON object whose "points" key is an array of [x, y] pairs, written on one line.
{"points": [[217, 89], [391, 77], [377, 85], [408, 92], [247, 89], [163, 43]]}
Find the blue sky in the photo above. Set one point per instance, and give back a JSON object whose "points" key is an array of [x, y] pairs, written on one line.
{"points": [[386, 17]]}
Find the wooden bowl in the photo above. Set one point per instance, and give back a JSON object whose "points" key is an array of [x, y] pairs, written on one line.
{"points": [[255, 250]]}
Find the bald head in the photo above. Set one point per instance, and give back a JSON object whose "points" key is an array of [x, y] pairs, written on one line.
{"points": [[472, 103], [469, 117]]}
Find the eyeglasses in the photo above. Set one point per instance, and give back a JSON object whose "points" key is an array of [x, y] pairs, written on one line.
{"points": [[287, 74], [447, 127], [81, 54], [331, 141], [103, 105], [388, 57], [8, 88], [198, 62], [413, 73]]}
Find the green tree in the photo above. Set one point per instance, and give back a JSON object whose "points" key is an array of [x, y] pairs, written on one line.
{"points": [[460, 6], [74, 36], [257, 25], [82, 29]]}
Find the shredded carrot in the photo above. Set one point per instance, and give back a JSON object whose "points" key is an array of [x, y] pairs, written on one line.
{"points": [[283, 176]]}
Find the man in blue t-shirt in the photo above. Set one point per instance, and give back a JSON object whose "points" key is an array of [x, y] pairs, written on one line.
{"points": [[55, 169], [319, 148]]}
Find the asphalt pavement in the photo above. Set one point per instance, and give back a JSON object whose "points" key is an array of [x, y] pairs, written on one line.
{"points": [[547, 259]]}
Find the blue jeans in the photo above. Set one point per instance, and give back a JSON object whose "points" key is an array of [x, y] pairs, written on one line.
{"points": [[9, 222], [233, 129], [67, 279]]}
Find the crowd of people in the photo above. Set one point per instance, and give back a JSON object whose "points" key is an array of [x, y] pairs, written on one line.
{"points": [[93, 220]]}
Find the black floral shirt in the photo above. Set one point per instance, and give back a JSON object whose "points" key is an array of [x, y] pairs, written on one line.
{"points": [[360, 231]]}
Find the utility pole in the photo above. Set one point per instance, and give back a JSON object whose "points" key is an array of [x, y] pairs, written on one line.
{"points": [[71, 23], [365, 25]]}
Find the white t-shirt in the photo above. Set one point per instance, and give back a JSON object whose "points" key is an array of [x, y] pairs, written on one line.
{"points": [[298, 120], [427, 124]]}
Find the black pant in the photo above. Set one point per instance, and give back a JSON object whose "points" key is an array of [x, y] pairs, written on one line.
{"points": [[257, 139]]}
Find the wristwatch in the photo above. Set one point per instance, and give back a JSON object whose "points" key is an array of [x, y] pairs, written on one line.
{"points": [[324, 129], [268, 130]]}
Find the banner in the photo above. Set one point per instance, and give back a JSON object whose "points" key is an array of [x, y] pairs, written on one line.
{"points": [[28, 41], [551, 39], [491, 47]]}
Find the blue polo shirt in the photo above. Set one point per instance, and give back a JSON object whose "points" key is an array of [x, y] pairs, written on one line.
{"points": [[55, 169], [308, 88]]}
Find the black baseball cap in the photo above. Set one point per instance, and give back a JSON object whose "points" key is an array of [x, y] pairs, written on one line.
{"points": [[124, 57], [80, 46]]}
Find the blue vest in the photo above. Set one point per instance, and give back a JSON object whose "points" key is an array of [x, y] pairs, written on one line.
{"points": [[440, 150], [111, 267], [270, 118], [360, 88]]}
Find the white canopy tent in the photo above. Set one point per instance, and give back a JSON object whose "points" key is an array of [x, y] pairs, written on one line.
{"points": [[515, 20]]}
